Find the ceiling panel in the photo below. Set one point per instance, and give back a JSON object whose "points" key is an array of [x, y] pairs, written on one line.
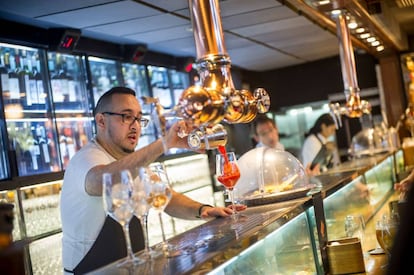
{"points": [[232, 7], [170, 5], [145, 24], [313, 51], [45, 7], [257, 17], [179, 47], [266, 29], [259, 54], [164, 35], [101, 14]]}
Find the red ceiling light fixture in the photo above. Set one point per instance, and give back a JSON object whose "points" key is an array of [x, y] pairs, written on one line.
{"points": [[135, 53], [62, 39]]}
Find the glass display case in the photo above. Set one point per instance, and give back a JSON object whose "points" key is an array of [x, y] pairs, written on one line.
{"points": [[37, 221], [27, 111], [180, 81], [363, 196], [71, 101], [105, 74], [160, 85], [135, 77]]}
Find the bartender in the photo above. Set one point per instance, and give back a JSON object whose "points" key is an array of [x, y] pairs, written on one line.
{"points": [[317, 147], [90, 238]]}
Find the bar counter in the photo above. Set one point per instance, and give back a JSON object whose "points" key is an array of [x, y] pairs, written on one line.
{"points": [[283, 237]]}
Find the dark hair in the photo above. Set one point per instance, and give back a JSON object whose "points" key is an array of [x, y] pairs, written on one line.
{"points": [[326, 119], [106, 98], [261, 119]]}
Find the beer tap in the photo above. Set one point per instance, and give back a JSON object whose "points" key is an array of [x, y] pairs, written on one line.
{"points": [[354, 106], [215, 99]]}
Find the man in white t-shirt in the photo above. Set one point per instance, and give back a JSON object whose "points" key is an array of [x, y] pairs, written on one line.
{"points": [[90, 238]]}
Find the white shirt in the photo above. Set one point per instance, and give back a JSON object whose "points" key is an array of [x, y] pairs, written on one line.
{"points": [[82, 215], [311, 147]]}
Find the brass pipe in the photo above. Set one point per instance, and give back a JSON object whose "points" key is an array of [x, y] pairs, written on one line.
{"points": [[346, 53]]}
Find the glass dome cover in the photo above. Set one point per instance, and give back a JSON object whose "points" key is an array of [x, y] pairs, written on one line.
{"points": [[266, 172], [371, 141]]}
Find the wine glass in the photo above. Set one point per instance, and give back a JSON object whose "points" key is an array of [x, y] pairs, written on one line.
{"points": [[389, 229], [159, 196], [141, 209], [117, 190], [228, 173]]}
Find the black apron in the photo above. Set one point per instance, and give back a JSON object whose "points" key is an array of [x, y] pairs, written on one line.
{"points": [[110, 245]]}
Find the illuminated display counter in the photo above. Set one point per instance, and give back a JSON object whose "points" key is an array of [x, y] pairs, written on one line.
{"points": [[282, 238]]}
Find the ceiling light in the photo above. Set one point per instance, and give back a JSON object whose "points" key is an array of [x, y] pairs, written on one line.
{"points": [[365, 35], [380, 48], [371, 39], [336, 12], [360, 30], [352, 25], [324, 2], [375, 43]]}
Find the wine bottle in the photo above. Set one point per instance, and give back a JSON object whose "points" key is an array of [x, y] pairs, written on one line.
{"points": [[44, 149], [31, 87], [39, 83], [23, 78], [13, 79]]}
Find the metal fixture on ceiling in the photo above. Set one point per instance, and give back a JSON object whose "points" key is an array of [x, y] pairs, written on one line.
{"points": [[380, 24], [354, 106], [215, 98]]}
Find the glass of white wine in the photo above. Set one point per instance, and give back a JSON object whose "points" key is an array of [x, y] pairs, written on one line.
{"points": [[116, 193], [141, 211], [159, 196]]}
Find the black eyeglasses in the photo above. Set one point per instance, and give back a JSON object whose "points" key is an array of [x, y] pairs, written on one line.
{"points": [[129, 119]]}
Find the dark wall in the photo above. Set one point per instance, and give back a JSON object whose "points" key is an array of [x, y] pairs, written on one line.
{"points": [[312, 81]]}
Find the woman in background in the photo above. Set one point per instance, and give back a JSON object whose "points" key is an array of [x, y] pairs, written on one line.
{"points": [[318, 138]]}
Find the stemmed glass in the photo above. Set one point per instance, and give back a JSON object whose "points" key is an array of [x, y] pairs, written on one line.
{"points": [[141, 209], [158, 197], [117, 191], [228, 173], [388, 231]]}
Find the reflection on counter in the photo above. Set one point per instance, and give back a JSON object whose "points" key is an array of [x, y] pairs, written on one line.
{"points": [[287, 250]]}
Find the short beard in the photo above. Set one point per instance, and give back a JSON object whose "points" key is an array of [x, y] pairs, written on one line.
{"points": [[128, 151]]}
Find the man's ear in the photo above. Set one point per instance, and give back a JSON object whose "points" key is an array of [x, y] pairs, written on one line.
{"points": [[256, 138], [99, 119]]}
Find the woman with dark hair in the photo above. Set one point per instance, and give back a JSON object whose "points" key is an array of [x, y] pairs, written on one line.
{"points": [[317, 147]]}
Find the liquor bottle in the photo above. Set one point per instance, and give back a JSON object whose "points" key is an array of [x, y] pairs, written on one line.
{"points": [[13, 80], [23, 77], [35, 154], [39, 83], [4, 75], [44, 149], [31, 86], [56, 83]]}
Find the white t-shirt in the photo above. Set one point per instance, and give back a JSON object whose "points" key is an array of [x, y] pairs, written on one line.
{"points": [[82, 215]]}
